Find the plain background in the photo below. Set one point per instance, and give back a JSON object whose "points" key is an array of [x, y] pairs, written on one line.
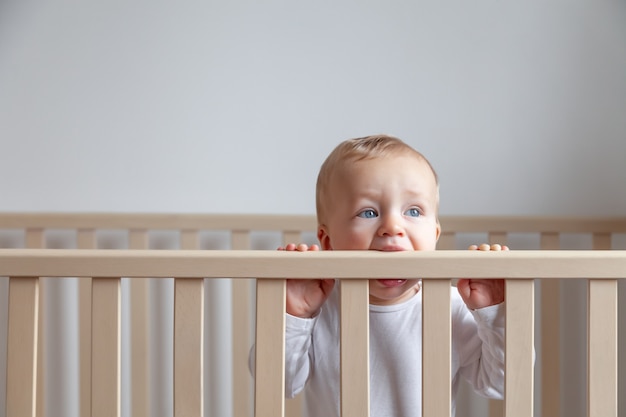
{"points": [[231, 106]]}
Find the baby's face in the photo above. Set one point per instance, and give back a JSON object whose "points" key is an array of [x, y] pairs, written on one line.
{"points": [[384, 204]]}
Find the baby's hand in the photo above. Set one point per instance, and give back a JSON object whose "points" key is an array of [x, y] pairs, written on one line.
{"points": [[306, 296], [479, 293]]}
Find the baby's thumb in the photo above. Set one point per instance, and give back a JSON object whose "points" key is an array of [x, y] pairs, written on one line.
{"points": [[463, 287], [327, 285]]}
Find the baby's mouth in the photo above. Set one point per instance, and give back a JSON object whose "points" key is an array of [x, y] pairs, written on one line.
{"points": [[391, 248], [391, 283]]}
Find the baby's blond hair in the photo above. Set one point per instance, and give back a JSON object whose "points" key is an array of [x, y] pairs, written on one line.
{"points": [[359, 149]]}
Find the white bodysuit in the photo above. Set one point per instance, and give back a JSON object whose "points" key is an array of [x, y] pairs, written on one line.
{"points": [[312, 356]]}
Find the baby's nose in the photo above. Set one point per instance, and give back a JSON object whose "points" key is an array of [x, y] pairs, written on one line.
{"points": [[391, 226]]}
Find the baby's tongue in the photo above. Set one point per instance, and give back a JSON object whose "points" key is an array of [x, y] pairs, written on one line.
{"points": [[392, 282]]}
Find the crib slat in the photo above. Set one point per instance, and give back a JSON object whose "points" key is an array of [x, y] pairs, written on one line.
{"points": [[292, 236], [270, 345], [498, 237], [22, 332], [189, 239], [188, 347], [139, 343], [602, 348], [446, 240], [293, 406], [436, 353], [602, 341], [242, 335], [138, 239], [519, 348], [601, 241], [85, 239], [105, 342], [35, 239], [496, 407], [355, 363], [550, 335], [189, 338]]}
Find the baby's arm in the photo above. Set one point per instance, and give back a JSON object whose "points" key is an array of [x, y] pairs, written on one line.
{"points": [[480, 293], [304, 301], [478, 338], [298, 355], [306, 296]]}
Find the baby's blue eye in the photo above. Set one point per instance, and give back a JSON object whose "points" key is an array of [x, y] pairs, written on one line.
{"points": [[368, 214], [413, 212]]}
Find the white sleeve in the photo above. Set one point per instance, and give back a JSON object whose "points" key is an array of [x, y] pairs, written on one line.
{"points": [[297, 358], [298, 353], [480, 347]]}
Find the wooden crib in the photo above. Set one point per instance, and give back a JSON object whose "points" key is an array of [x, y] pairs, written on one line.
{"points": [[137, 259]]}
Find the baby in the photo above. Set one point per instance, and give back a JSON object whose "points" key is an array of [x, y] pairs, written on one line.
{"points": [[378, 193]]}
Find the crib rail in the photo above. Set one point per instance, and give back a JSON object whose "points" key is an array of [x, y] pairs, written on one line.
{"points": [[527, 264], [39, 230], [139, 226], [155, 221], [190, 267]]}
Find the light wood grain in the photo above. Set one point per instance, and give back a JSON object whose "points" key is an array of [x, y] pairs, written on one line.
{"points": [[105, 342], [436, 351], [602, 349], [550, 371], [303, 265], [556, 266], [158, 221], [138, 239], [355, 362], [22, 333], [85, 239], [188, 347], [269, 394], [519, 376], [304, 222], [294, 407], [242, 316], [36, 239]]}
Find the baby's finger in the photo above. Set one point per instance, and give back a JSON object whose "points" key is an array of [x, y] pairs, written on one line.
{"points": [[486, 247]]}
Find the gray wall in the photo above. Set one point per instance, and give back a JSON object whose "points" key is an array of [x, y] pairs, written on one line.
{"points": [[231, 106]]}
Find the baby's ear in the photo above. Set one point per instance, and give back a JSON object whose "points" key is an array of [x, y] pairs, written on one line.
{"points": [[438, 232], [323, 237]]}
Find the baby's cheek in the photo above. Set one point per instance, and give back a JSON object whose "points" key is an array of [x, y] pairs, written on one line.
{"points": [[425, 244], [353, 242]]}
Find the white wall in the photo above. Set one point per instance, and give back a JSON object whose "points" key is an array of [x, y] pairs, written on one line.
{"points": [[231, 106]]}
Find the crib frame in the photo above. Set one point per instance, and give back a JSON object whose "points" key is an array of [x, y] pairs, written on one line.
{"points": [[292, 227]]}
